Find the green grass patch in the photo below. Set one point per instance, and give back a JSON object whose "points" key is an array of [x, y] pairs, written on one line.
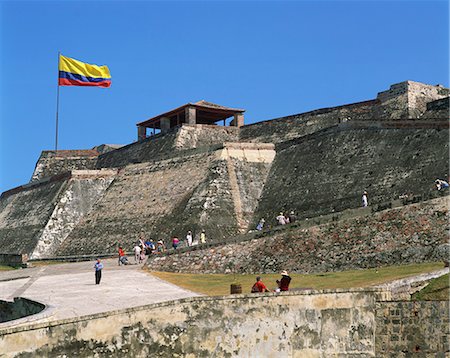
{"points": [[6, 268], [437, 290], [219, 284]]}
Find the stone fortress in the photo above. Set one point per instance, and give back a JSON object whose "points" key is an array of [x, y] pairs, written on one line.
{"points": [[195, 174]]}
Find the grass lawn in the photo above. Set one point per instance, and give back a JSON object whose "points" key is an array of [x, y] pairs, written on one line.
{"points": [[437, 290], [219, 284], [6, 268]]}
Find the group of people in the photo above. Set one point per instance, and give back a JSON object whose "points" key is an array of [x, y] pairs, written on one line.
{"points": [[283, 219], [144, 247], [282, 284]]}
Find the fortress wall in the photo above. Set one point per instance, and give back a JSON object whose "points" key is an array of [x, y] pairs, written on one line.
{"points": [[151, 148], [438, 109], [287, 128], [412, 328], [24, 214], [199, 135], [328, 171], [410, 234], [161, 199], [50, 164], [308, 324], [81, 193]]}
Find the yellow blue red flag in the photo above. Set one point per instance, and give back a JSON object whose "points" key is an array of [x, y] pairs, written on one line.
{"points": [[76, 73]]}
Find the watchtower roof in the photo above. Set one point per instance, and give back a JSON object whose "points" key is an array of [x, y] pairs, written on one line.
{"points": [[206, 113]]}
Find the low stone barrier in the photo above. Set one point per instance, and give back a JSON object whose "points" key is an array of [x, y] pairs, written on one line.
{"points": [[14, 260]]}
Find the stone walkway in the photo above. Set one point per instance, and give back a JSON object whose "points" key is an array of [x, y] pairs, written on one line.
{"points": [[70, 291]]}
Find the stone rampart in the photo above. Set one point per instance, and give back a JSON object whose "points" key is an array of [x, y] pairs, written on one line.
{"points": [[50, 163], [313, 323], [345, 323], [410, 234], [213, 191], [24, 214], [328, 171], [36, 218]]}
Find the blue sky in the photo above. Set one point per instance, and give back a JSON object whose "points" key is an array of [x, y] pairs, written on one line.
{"points": [[271, 58]]}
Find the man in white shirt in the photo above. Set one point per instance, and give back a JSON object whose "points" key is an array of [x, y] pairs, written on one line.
{"points": [[137, 253]]}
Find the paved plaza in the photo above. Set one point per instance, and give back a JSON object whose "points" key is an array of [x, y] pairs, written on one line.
{"points": [[69, 289]]}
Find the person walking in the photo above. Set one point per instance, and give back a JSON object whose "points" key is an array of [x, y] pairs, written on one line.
{"points": [[365, 201], [189, 238], [260, 225], [98, 271], [137, 254], [121, 255], [203, 237]]}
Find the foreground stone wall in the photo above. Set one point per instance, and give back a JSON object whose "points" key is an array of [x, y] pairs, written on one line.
{"points": [[344, 323], [407, 329], [411, 234], [314, 323]]}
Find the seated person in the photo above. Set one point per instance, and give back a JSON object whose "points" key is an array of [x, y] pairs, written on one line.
{"points": [[283, 284], [259, 286]]}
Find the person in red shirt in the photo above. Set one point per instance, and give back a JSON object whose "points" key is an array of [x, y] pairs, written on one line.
{"points": [[259, 286], [121, 254]]}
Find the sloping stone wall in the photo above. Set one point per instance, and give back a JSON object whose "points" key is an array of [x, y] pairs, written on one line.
{"points": [[329, 170], [76, 201], [23, 216], [411, 234]]}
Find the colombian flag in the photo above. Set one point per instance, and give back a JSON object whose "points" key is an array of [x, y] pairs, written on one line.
{"points": [[76, 73]]}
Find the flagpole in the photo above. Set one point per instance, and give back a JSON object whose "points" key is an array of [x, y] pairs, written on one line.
{"points": [[57, 106]]}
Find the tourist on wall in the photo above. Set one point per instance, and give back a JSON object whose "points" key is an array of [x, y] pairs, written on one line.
{"points": [[280, 219], [175, 242], [441, 184], [142, 256], [260, 225], [137, 254], [189, 238], [160, 247], [259, 286], [365, 201], [292, 217], [283, 284], [203, 237], [149, 246], [98, 271]]}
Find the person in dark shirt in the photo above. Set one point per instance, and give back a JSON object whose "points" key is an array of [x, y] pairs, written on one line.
{"points": [[283, 284], [98, 271]]}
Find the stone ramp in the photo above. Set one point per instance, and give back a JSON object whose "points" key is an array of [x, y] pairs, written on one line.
{"points": [[70, 290]]}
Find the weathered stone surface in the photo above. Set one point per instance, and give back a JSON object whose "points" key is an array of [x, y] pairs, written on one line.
{"points": [[328, 171], [414, 233], [24, 215], [76, 201], [310, 324], [51, 163], [406, 329]]}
